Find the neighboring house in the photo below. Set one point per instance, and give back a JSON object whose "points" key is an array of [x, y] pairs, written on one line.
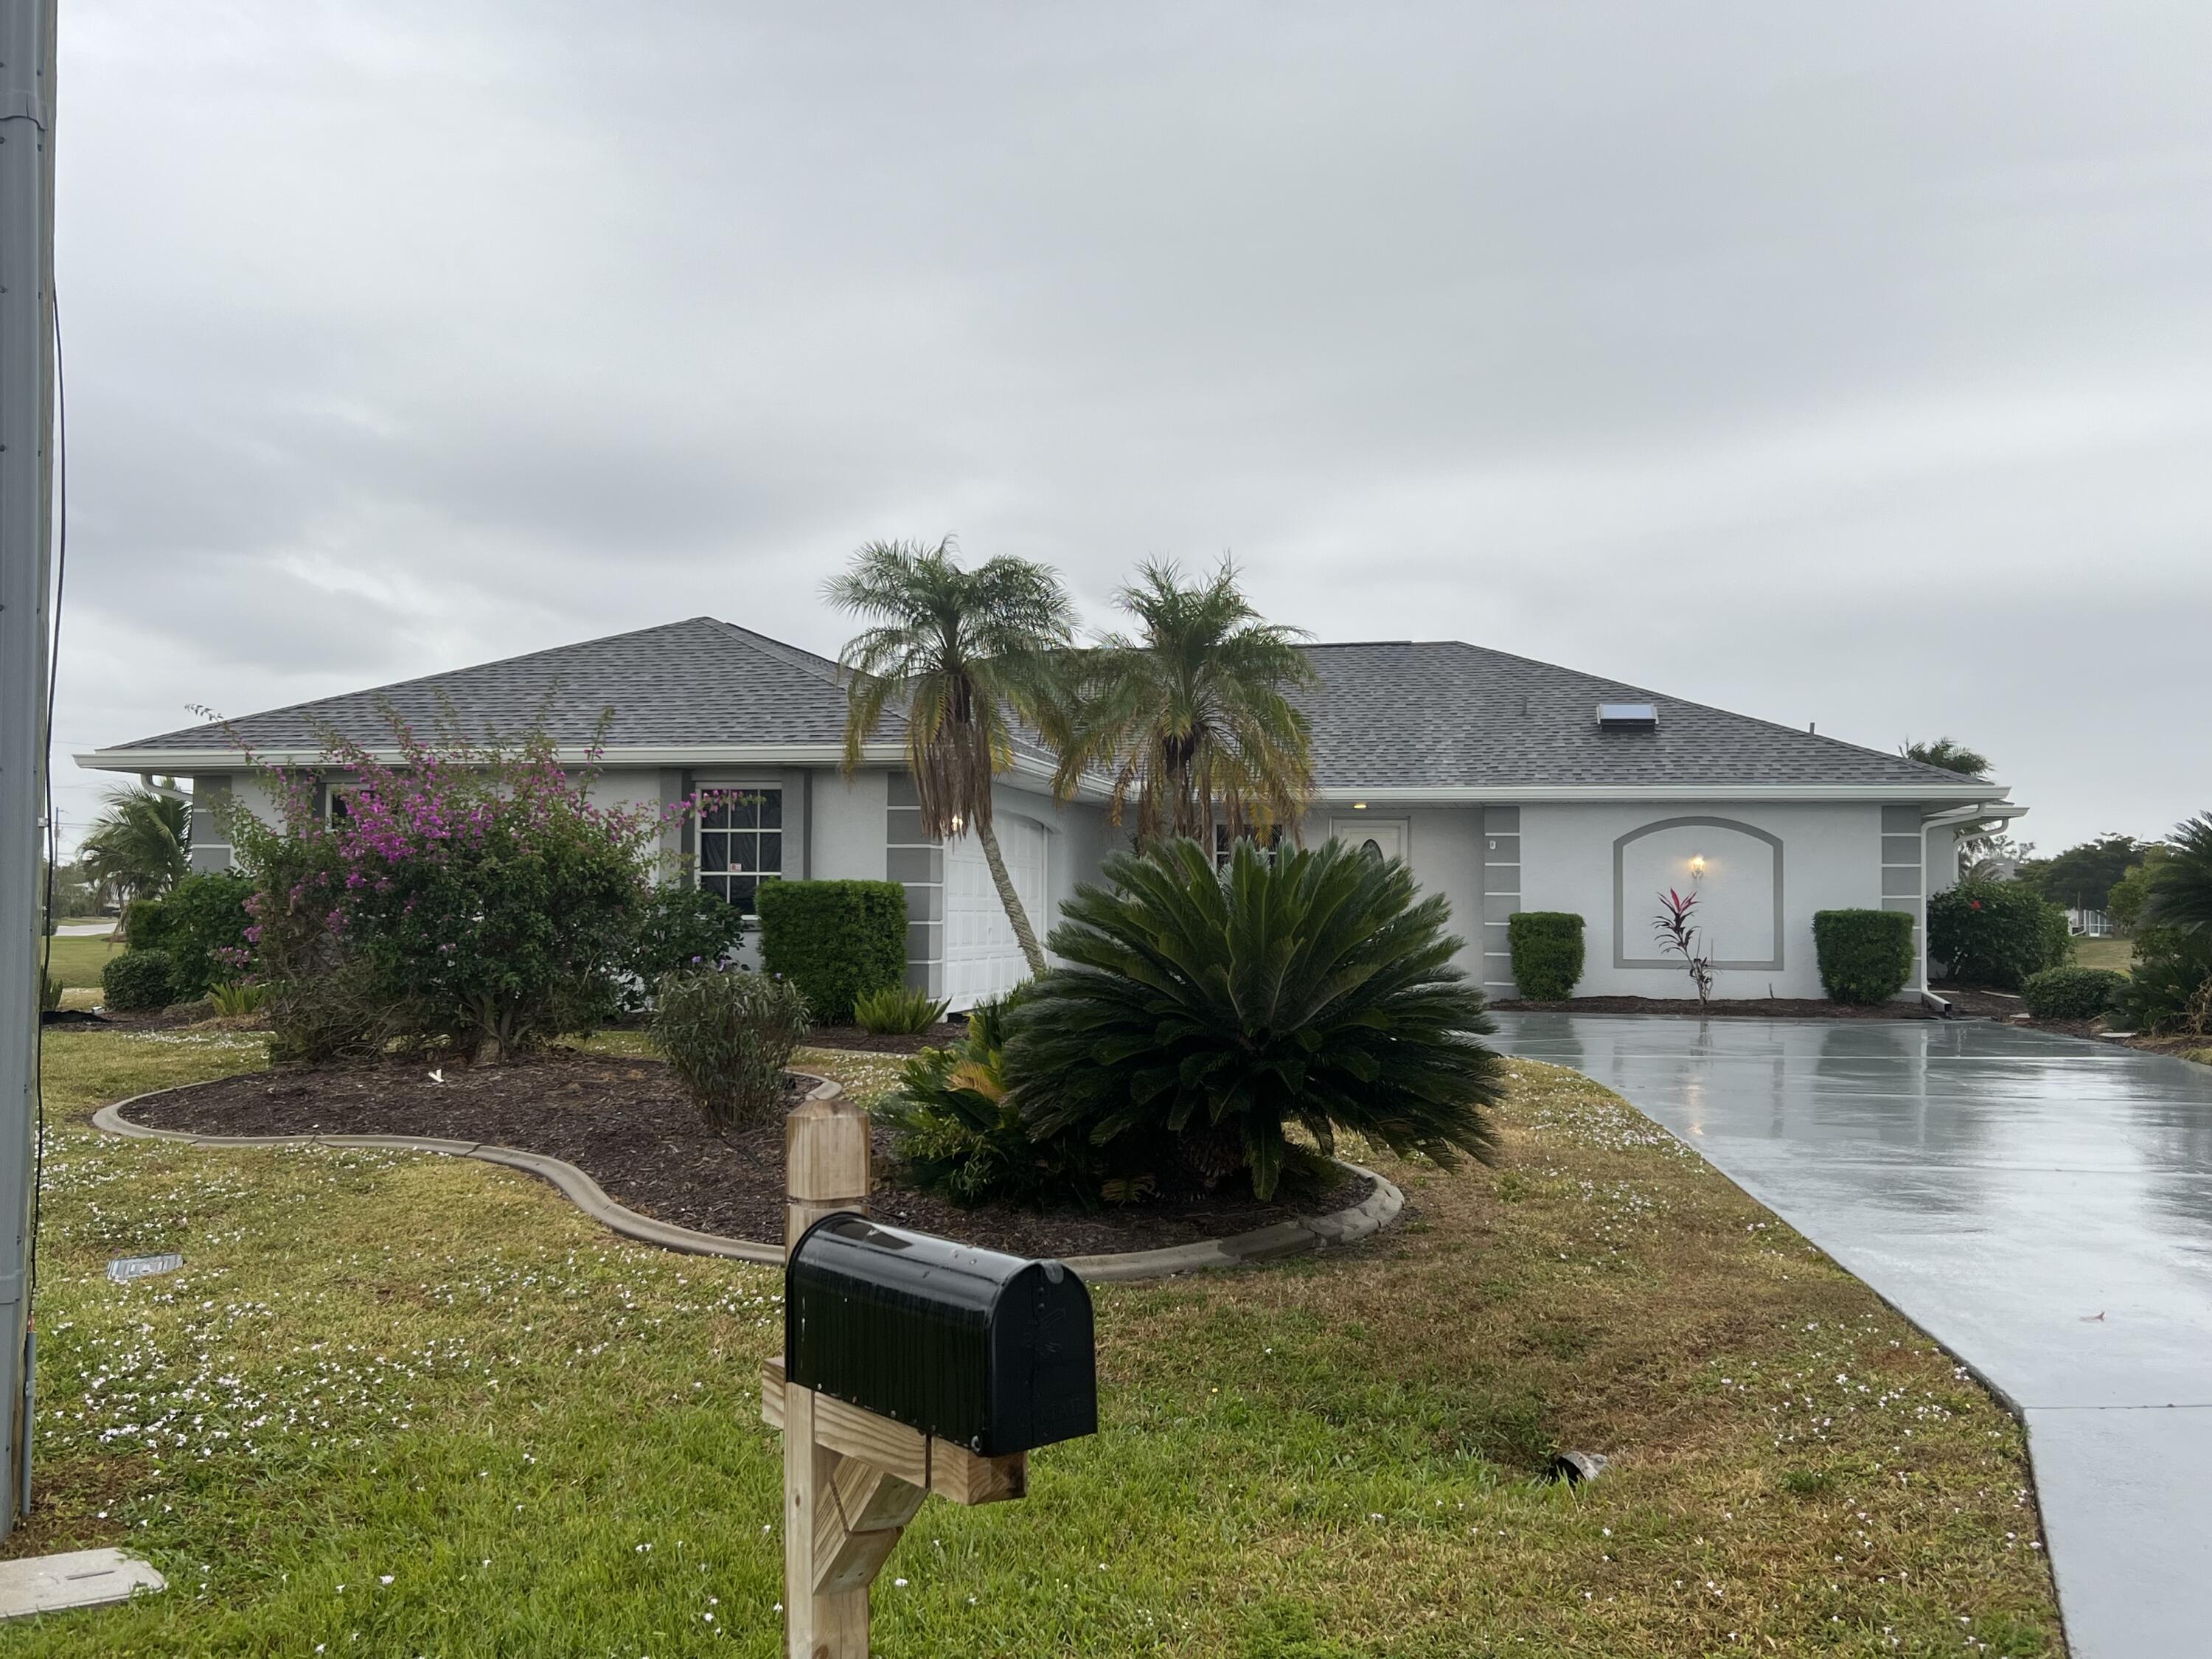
{"points": [[1506, 784]]}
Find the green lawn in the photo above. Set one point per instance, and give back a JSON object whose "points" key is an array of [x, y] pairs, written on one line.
{"points": [[77, 961], [396, 1404], [2113, 953]]}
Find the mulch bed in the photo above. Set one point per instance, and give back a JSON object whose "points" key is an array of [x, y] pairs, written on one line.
{"points": [[626, 1125], [1729, 1007]]}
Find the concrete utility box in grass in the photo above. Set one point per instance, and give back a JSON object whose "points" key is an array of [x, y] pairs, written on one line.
{"points": [[989, 1351]]}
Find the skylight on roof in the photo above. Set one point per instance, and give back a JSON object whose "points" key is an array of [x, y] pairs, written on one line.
{"points": [[1627, 717]]}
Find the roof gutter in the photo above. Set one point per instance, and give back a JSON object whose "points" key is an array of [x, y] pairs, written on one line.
{"points": [[1571, 793], [1027, 768]]}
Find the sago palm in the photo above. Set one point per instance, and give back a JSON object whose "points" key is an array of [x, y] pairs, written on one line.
{"points": [[139, 847], [962, 654], [1203, 1014], [1193, 715], [2180, 890]]}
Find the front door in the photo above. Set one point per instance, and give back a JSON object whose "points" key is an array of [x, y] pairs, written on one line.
{"points": [[1382, 838]]}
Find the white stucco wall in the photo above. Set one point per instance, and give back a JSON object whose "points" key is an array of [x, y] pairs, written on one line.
{"points": [[1830, 856]]}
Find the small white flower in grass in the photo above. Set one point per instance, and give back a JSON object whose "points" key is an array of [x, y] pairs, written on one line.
{"points": [[898, 1583], [384, 1579]]}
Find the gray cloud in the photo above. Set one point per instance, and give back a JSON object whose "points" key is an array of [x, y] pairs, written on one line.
{"points": [[1845, 365]]}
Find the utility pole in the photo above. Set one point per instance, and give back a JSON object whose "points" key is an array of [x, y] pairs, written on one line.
{"points": [[27, 420]]}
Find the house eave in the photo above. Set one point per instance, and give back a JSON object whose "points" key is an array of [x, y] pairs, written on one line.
{"points": [[1527, 794], [1026, 768]]}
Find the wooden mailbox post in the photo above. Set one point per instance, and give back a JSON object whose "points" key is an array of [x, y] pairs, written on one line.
{"points": [[852, 1477]]}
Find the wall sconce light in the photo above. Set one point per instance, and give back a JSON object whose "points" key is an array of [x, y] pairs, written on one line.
{"points": [[1698, 864], [1360, 806], [957, 823]]}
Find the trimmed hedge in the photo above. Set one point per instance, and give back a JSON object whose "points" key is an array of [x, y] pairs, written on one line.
{"points": [[835, 940], [138, 979], [198, 917], [1547, 953], [1997, 933], [1865, 956], [2074, 993]]}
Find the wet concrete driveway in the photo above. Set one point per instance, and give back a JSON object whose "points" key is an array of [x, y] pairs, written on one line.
{"points": [[2040, 1205]]}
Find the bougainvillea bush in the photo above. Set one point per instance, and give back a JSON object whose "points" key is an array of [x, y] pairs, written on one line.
{"points": [[471, 899]]}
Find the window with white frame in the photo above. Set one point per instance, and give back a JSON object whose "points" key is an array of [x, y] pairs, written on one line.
{"points": [[740, 841]]}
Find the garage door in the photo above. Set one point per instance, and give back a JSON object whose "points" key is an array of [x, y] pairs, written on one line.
{"points": [[981, 959]]}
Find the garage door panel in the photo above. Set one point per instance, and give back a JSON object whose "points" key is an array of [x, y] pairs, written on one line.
{"points": [[983, 958]]}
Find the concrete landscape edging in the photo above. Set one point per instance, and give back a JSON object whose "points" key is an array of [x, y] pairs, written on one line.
{"points": [[1376, 1211]]}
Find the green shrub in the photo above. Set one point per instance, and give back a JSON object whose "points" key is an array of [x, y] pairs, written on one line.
{"points": [[2170, 988], [235, 998], [960, 1136], [1997, 933], [202, 922], [727, 1035], [1207, 1013], [49, 993], [138, 979], [679, 928], [835, 940], [1865, 956], [2074, 993], [1547, 953], [330, 1014], [898, 1009]]}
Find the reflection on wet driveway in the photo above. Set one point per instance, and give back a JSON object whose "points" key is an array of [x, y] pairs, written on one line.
{"points": [[2039, 1205]]}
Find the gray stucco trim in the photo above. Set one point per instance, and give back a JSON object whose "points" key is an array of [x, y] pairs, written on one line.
{"points": [[916, 861], [1620, 957]]}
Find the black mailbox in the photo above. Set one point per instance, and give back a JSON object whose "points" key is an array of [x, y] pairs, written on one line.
{"points": [[990, 1351]]}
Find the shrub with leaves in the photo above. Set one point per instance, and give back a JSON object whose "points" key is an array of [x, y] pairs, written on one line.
{"points": [[1205, 1015], [960, 1135], [1865, 956], [2073, 992], [1997, 933], [1547, 953], [236, 997], [2170, 984], [727, 1035], [898, 1009], [138, 979], [201, 922], [678, 928], [477, 896]]}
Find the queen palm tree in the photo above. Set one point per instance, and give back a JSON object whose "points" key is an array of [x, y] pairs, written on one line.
{"points": [[1194, 714], [963, 654], [140, 845]]}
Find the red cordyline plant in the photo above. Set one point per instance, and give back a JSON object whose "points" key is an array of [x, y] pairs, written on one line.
{"points": [[1675, 932], [470, 896]]}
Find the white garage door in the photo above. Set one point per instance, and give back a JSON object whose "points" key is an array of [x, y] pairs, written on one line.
{"points": [[981, 959]]}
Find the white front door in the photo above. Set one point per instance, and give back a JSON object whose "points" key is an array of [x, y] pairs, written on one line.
{"points": [[1385, 838], [983, 958]]}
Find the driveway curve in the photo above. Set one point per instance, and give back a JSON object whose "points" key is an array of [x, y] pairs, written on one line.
{"points": [[2039, 1205]]}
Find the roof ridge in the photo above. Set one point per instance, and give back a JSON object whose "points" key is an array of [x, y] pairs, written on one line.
{"points": [[796, 656]]}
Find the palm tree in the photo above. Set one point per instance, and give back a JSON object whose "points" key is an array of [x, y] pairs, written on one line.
{"points": [[140, 845], [2180, 893], [1194, 715], [963, 654], [1950, 755]]}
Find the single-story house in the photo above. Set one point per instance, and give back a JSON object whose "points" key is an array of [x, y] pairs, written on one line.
{"points": [[1506, 784]]}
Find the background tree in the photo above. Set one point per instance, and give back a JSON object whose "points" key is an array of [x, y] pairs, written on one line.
{"points": [[1194, 714], [962, 654], [1951, 757], [140, 845], [2124, 903], [2081, 876]]}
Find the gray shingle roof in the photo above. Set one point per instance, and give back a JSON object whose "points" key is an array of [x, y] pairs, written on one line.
{"points": [[1394, 715], [696, 682], [1442, 714]]}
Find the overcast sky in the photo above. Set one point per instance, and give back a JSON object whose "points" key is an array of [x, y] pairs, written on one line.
{"points": [[1848, 364]]}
